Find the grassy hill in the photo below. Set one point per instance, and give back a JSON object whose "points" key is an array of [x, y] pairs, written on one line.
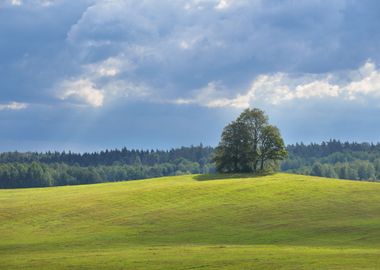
{"points": [[281, 221]]}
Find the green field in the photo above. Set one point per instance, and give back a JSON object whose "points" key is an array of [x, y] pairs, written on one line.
{"points": [[281, 221]]}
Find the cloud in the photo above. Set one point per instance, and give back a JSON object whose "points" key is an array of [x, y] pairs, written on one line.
{"points": [[29, 3], [107, 68], [14, 106], [212, 96], [101, 82], [223, 4], [178, 46], [16, 2], [214, 56], [83, 91], [278, 88], [368, 84]]}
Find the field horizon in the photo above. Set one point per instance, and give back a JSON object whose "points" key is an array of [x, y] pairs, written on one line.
{"points": [[279, 221]]}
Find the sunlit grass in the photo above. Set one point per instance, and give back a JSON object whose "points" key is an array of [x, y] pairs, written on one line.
{"points": [[279, 221]]}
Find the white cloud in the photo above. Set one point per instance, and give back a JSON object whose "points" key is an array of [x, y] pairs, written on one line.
{"points": [[319, 88], [82, 90], [279, 88], [104, 82], [16, 2], [110, 67], [15, 106], [223, 4], [367, 85], [175, 44], [185, 44], [273, 89], [100, 82], [28, 3]]}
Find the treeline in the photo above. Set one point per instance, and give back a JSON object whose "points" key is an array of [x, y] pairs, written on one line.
{"points": [[199, 154], [335, 159], [36, 174], [34, 169]]}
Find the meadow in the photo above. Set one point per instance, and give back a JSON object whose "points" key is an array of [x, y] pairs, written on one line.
{"points": [[280, 221]]}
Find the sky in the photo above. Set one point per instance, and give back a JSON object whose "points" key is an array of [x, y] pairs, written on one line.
{"points": [[88, 75]]}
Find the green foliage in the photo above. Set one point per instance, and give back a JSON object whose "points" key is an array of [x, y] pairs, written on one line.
{"points": [[249, 144], [123, 156], [335, 160], [280, 221], [35, 174], [355, 161], [234, 153], [19, 170]]}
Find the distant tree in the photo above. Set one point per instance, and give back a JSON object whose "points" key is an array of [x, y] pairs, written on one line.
{"points": [[328, 171], [38, 176], [249, 144], [317, 169]]}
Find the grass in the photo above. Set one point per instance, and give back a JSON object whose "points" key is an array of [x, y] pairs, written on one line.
{"points": [[280, 221]]}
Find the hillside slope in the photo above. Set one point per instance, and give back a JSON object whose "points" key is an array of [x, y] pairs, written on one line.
{"points": [[281, 221]]}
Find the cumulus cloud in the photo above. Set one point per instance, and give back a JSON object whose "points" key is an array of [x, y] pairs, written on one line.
{"points": [[14, 106], [212, 53], [274, 89], [83, 91], [367, 85], [178, 46], [128, 48], [100, 82]]}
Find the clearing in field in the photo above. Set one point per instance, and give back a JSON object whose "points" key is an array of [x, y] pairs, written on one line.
{"points": [[280, 221]]}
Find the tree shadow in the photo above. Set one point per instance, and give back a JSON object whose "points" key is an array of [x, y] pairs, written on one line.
{"points": [[218, 176]]}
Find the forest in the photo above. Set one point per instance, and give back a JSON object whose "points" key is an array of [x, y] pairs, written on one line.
{"points": [[334, 159], [32, 169]]}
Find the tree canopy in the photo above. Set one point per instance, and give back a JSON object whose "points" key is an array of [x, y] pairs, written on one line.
{"points": [[249, 144]]}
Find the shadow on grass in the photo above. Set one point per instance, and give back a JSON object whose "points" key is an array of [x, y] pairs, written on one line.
{"points": [[218, 176]]}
